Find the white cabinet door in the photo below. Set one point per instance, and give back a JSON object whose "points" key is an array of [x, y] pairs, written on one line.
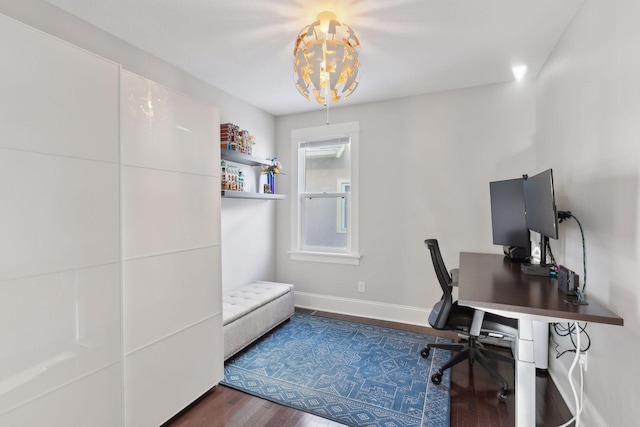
{"points": [[171, 250], [165, 377], [64, 118], [56, 98], [164, 129], [60, 288], [168, 293]]}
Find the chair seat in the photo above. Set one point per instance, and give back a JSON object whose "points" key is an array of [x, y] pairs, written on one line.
{"points": [[460, 319]]}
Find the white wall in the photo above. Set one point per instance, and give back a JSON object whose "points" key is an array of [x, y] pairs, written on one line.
{"points": [[247, 250], [588, 128], [425, 166]]}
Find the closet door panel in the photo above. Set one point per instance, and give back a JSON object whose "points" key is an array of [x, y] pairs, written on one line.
{"points": [[56, 329], [60, 99], [168, 211], [171, 250], [95, 400], [163, 129], [167, 293], [165, 377], [58, 213]]}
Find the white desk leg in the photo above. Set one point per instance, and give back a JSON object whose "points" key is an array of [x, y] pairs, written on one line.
{"points": [[525, 376], [541, 344]]}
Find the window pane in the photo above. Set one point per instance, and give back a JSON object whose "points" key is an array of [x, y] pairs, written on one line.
{"points": [[327, 168], [325, 223]]}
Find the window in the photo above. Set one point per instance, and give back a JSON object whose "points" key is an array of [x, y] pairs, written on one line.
{"points": [[325, 212]]}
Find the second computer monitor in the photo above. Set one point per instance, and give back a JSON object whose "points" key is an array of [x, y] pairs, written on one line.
{"points": [[508, 213], [541, 205]]}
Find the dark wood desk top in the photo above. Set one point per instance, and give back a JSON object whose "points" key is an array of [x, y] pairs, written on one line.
{"points": [[491, 281]]}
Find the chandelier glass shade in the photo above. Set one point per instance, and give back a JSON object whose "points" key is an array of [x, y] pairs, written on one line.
{"points": [[325, 60]]}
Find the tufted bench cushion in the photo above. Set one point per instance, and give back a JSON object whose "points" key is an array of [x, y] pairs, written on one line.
{"points": [[253, 310], [239, 302]]}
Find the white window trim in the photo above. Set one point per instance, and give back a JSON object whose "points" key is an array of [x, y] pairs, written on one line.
{"points": [[350, 130], [327, 257], [341, 208]]}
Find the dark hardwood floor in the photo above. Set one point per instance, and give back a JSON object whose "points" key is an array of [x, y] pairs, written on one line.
{"points": [[473, 398]]}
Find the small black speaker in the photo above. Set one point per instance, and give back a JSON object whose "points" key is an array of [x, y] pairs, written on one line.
{"points": [[568, 281]]}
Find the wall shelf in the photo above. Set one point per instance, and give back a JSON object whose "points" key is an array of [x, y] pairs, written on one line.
{"points": [[229, 194], [234, 156]]}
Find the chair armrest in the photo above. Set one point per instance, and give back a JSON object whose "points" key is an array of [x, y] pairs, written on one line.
{"points": [[455, 272]]}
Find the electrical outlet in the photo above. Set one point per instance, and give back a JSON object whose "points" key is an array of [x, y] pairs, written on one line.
{"points": [[583, 361], [361, 286]]}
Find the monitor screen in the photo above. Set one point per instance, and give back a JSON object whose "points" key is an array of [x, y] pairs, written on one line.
{"points": [[540, 204], [507, 213]]}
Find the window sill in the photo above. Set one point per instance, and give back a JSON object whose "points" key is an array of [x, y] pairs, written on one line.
{"points": [[326, 257]]}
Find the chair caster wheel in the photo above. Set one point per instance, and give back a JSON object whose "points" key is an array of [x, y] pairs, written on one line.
{"points": [[436, 378], [425, 352], [502, 394]]}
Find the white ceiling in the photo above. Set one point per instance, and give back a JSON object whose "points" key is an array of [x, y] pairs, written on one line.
{"points": [[245, 47]]}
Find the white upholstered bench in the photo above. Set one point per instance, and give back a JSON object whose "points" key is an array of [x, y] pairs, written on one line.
{"points": [[253, 310]]}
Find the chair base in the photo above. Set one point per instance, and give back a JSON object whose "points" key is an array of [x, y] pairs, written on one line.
{"points": [[473, 350]]}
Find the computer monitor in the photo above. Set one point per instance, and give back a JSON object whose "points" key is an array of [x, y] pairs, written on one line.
{"points": [[508, 219], [540, 204], [540, 207]]}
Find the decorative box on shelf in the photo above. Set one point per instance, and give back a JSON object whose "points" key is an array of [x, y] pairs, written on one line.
{"points": [[232, 177], [232, 138]]}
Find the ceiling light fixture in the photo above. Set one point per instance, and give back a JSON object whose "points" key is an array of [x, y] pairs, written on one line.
{"points": [[326, 61], [519, 71]]}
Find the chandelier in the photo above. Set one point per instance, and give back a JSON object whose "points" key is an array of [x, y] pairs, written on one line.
{"points": [[325, 60]]}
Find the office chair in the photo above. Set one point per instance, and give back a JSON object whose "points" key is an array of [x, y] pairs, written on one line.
{"points": [[448, 315]]}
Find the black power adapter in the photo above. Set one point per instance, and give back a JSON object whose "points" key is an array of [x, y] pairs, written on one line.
{"points": [[568, 281]]}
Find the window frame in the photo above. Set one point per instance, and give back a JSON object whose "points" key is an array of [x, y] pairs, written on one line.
{"points": [[351, 255], [342, 217]]}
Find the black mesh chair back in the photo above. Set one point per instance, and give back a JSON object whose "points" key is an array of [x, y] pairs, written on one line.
{"points": [[440, 312]]}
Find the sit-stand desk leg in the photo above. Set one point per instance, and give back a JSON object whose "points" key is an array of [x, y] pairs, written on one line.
{"points": [[541, 344], [525, 376]]}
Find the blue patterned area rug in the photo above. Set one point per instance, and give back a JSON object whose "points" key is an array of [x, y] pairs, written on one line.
{"points": [[353, 374]]}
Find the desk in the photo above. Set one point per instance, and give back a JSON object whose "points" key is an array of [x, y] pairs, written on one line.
{"points": [[493, 283]]}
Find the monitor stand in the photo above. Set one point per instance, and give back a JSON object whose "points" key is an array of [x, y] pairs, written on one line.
{"points": [[542, 269], [516, 253]]}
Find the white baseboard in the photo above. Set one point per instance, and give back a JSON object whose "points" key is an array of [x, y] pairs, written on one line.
{"points": [[361, 308], [590, 417]]}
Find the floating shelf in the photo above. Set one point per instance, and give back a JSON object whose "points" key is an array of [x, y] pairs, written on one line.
{"points": [[246, 195], [234, 156]]}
